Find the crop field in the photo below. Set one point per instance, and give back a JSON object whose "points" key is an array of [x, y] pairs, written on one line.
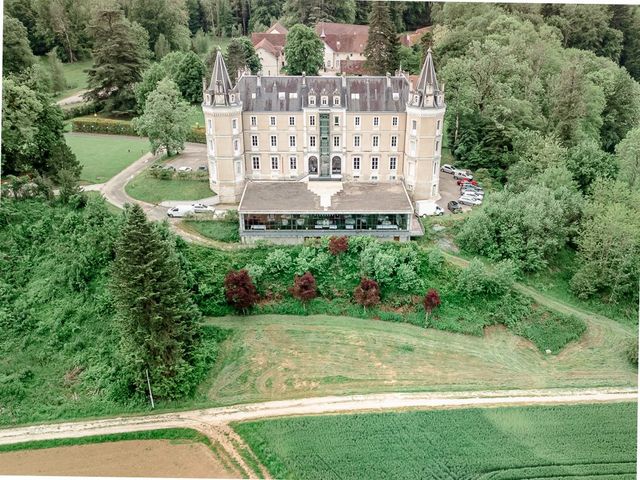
{"points": [[577, 441]]}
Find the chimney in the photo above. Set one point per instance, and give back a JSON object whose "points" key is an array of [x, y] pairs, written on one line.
{"points": [[258, 79], [304, 79], [388, 80]]}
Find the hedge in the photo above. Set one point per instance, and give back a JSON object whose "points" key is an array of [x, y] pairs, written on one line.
{"points": [[110, 126], [80, 110]]}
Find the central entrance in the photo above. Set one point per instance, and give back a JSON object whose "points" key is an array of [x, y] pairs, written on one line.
{"points": [[325, 164]]}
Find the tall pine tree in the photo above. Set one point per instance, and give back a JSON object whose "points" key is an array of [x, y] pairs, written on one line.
{"points": [[382, 45], [159, 322]]}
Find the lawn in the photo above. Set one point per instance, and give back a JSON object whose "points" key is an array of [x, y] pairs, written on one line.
{"points": [[154, 190], [270, 357], [576, 441], [75, 74], [103, 156], [196, 116], [220, 230]]}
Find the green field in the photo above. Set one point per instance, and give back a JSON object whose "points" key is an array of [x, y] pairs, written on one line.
{"points": [[219, 230], [579, 441], [271, 357], [154, 190], [196, 116], [103, 156]]}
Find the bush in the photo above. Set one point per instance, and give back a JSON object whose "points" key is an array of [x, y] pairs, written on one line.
{"points": [[367, 293], [338, 245], [197, 135], [240, 291], [632, 352], [80, 110], [478, 280], [435, 259], [277, 261], [304, 287]]}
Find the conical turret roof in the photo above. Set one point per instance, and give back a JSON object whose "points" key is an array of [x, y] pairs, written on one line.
{"points": [[220, 81], [427, 75]]}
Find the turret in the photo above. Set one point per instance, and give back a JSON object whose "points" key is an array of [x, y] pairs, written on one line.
{"points": [[427, 92], [222, 110]]}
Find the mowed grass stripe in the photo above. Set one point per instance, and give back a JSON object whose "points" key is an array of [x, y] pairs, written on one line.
{"points": [[571, 441]]}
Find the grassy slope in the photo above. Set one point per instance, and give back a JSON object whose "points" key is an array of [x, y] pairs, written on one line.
{"points": [[153, 190], [103, 156], [219, 230], [74, 74], [196, 116], [272, 357], [504, 443]]}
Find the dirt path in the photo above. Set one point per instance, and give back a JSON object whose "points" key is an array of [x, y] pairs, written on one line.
{"points": [[313, 406], [77, 97]]}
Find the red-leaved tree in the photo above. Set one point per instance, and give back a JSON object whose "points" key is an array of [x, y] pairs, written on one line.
{"points": [[367, 293], [431, 301], [338, 245], [240, 291], [304, 287]]}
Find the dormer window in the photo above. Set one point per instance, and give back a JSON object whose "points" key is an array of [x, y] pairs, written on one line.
{"points": [[336, 100], [233, 98], [208, 99], [396, 96], [416, 99], [325, 100], [312, 99]]}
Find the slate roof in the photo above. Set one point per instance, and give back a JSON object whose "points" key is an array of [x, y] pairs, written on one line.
{"points": [[355, 197], [373, 93]]}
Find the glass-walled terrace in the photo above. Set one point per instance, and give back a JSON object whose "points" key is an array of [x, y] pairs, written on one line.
{"points": [[319, 221]]}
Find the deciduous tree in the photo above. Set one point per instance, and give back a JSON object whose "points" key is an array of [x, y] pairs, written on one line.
{"points": [[165, 119], [189, 77], [304, 51], [338, 245], [240, 291], [367, 293], [628, 156], [304, 287], [161, 47], [16, 52], [431, 301]]}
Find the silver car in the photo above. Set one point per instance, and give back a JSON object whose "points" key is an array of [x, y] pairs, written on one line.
{"points": [[470, 200]]}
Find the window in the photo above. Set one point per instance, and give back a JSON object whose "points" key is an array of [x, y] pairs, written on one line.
{"points": [[336, 100], [394, 140], [325, 100], [412, 150], [281, 95], [292, 121], [293, 163], [238, 168], [438, 126], [209, 126], [336, 141], [414, 125], [336, 121], [393, 163], [416, 99], [236, 146], [254, 121], [274, 163], [210, 146], [356, 163], [374, 163], [255, 163], [336, 165], [272, 121], [234, 123], [394, 121], [312, 100], [274, 141], [312, 141], [376, 121], [233, 98], [312, 120], [356, 141], [435, 168], [292, 140], [254, 140], [356, 121], [375, 140], [313, 165], [437, 145]]}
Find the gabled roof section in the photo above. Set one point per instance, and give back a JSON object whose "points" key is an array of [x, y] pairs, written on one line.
{"points": [[277, 28], [220, 81], [427, 82]]}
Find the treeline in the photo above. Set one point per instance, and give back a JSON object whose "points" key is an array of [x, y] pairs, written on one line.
{"points": [[541, 99]]}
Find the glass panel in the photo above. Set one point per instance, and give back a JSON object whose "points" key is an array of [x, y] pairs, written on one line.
{"points": [[313, 165], [323, 221], [336, 165]]}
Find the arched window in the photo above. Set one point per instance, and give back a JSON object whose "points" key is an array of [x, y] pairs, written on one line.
{"points": [[336, 165], [313, 165]]}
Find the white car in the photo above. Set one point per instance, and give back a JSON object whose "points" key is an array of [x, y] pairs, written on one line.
{"points": [[185, 169], [201, 208], [180, 211], [460, 174], [469, 200], [446, 168]]}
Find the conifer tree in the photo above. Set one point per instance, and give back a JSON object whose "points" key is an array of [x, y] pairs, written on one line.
{"points": [[382, 45], [159, 322]]}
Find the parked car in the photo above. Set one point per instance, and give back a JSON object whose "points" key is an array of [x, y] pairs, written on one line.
{"points": [[469, 200], [169, 167], [201, 208], [446, 168], [155, 166], [473, 196], [185, 169], [454, 207], [203, 168], [180, 211], [473, 191], [459, 174], [427, 208], [470, 188], [464, 180]]}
